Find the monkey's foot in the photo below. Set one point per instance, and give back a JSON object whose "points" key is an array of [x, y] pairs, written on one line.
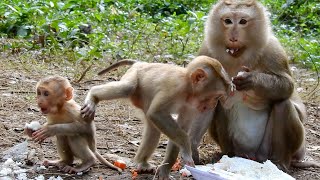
{"points": [[57, 163], [84, 167], [163, 171], [145, 167], [69, 169], [187, 160]]}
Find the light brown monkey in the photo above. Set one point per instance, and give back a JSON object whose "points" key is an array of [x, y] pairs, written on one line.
{"points": [[75, 135], [160, 90], [263, 119]]}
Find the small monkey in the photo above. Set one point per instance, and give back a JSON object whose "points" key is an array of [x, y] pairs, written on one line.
{"points": [[75, 135], [263, 118], [160, 90]]}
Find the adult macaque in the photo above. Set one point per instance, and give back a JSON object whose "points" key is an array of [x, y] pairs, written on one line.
{"points": [[160, 90], [75, 135], [263, 119]]}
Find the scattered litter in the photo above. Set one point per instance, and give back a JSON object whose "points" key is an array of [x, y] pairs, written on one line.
{"points": [[238, 168], [11, 170], [55, 178], [185, 172], [299, 89], [18, 152]]}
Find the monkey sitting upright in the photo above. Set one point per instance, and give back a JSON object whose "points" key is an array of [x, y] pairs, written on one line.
{"points": [[160, 90], [265, 115], [75, 136]]}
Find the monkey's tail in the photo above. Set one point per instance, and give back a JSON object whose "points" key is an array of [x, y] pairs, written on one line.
{"points": [[117, 64], [106, 162], [305, 164]]}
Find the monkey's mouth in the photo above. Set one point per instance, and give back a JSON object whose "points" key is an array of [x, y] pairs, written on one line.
{"points": [[44, 110], [235, 52]]}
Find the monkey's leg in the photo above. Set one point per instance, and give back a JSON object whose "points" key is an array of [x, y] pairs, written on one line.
{"points": [[199, 126], [161, 118], [185, 120], [170, 158], [65, 154], [287, 134], [80, 149], [149, 143]]}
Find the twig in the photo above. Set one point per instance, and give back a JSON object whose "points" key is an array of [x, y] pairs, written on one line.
{"points": [[84, 73]]}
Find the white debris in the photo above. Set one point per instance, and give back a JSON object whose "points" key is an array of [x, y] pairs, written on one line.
{"points": [[300, 89], [40, 168], [18, 152], [311, 80], [40, 177], [293, 68], [5, 171], [240, 169], [34, 125], [55, 178], [12, 170], [185, 171]]}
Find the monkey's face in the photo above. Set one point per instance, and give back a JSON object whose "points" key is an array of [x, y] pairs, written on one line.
{"points": [[234, 27], [47, 101]]}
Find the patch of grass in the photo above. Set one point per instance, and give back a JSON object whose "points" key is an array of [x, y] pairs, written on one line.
{"points": [[164, 30]]}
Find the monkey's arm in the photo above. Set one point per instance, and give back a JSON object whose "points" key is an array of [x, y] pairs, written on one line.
{"points": [[270, 86], [272, 78], [73, 128]]}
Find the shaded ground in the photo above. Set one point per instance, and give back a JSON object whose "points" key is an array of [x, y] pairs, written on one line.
{"points": [[118, 129]]}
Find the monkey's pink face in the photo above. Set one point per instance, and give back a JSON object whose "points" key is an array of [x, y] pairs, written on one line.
{"points": [[46, 101]]}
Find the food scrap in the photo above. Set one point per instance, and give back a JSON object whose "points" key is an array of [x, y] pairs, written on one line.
{"points": [[176, 166], [120, 163], [134, 174]]}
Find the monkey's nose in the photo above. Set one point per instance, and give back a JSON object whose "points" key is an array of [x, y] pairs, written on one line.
{"points": [[233, 39]]}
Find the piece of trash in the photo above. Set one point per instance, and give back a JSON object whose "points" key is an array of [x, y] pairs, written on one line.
{"points": [[238, 168], [12, 170], [185, 172], [19, 152]]}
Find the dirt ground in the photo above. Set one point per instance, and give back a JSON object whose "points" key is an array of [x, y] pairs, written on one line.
{"points": [[118, 129]]}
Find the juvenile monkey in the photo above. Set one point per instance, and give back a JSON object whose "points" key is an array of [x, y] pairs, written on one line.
{"points": [[75, 135], [263, 119], [160, 90]]}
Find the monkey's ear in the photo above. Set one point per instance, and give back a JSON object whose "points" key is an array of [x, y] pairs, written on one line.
{"points": [[69, 93], [198, 76]]}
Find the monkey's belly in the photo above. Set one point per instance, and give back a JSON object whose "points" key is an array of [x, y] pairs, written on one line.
{"points": [[246, 128]]}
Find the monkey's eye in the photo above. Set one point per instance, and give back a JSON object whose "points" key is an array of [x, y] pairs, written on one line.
{"points": [[228, 21], [243, 21], [46, 93]]}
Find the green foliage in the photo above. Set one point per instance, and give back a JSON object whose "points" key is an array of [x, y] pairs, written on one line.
{"points": [[297, 25], [142, 29]]}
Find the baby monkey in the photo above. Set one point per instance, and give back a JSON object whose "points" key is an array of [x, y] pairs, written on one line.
{"points": [[75, 135], [160, 90]]}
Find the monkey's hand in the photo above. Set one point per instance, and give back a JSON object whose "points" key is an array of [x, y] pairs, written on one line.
{"points": [[88, 109], [40, 135], [245, 80]]}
